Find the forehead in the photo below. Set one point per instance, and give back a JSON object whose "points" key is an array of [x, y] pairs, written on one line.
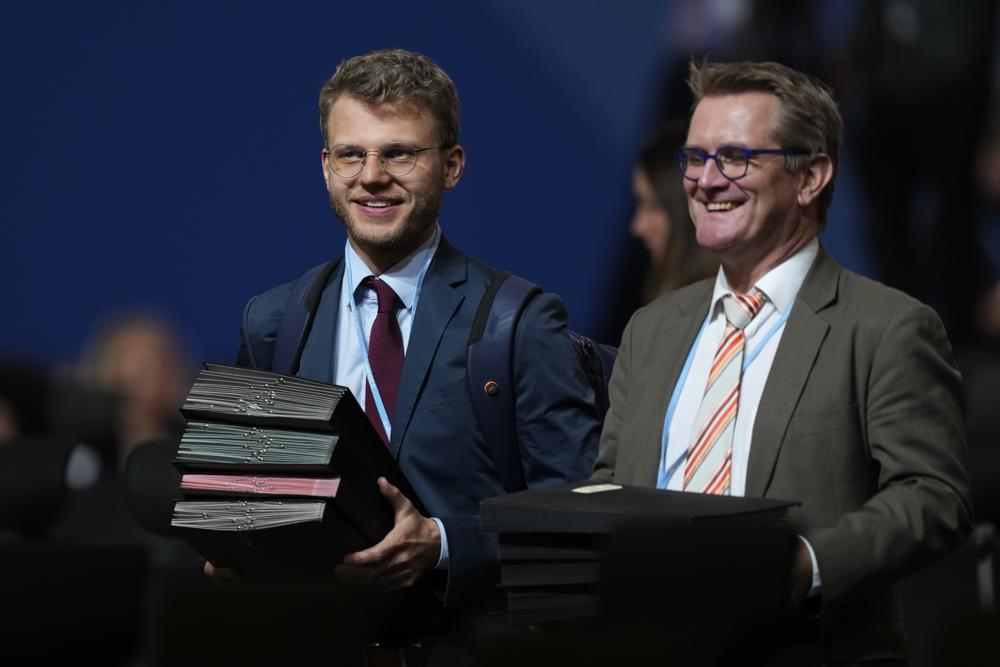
{"points": [[351, 120], [742, 119]]}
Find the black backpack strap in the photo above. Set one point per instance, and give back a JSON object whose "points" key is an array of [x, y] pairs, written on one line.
{"points": [[298, 316], [489, 369]]}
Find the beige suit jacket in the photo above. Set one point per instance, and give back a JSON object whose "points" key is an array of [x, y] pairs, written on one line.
{"points": [[861, 421]]}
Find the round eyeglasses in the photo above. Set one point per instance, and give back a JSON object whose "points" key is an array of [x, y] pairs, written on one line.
{"points": [[347, 160], [733, 161]]}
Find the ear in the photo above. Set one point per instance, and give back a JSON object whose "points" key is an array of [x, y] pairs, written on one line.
{"points": [[454, 166], [815, 177]]}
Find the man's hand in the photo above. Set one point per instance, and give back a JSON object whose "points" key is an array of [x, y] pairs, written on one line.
{"points": [[411, 548], [220, 575], [801, 576]]}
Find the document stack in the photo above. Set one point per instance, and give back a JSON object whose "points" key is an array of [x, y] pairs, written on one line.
{"points": [[553, 540], [278, 474]]}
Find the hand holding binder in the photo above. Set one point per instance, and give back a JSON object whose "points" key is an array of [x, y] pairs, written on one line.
{"points": [[411, 548]]}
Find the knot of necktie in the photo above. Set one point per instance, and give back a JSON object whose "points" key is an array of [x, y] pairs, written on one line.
{"points": [[388, 300], [740, 309]]}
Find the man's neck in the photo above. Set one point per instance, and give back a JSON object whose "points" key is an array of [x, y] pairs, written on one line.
{"points": [[743, 273], [380, 260]]}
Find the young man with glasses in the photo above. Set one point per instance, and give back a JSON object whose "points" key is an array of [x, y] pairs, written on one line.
{"points": [[787, 376], [390, 122]]}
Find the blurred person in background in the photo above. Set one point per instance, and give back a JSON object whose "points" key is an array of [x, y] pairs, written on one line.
{"points": [[139, 357], [136, 362], [661, 219], [919, 77]]}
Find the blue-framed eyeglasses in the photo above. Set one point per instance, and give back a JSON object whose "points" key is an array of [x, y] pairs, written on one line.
{"points": [[733, 161]]}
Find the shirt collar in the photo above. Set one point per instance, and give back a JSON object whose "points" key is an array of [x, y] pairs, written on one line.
{"points": [[781, 284], [402, 277]]}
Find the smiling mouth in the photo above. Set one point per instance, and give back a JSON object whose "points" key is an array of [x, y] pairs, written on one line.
{"points": [[721, 205], [377, 203]]}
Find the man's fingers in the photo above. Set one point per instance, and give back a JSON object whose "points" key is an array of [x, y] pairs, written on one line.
{"points": [[395, 497], [395, 575], [370, 556], [356, 574], [377, 553], [219, 574]]}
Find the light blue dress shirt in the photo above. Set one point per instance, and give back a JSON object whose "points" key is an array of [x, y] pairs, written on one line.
{"points": [[348, 360]]}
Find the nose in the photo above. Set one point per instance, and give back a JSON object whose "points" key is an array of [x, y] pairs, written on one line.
{"points": [[711, 177], [637, 225], [372, 170]]}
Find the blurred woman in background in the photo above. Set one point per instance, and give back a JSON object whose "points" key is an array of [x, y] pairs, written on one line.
{"points": [[661, 220]]}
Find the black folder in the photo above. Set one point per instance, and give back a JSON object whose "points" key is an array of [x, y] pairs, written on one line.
{"points": [[550, 546], [554, 541], [538, 604], [591, 508], [549, 573]]}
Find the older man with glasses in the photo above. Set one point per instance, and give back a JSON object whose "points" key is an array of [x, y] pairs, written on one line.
{"points": [[787, 376]]}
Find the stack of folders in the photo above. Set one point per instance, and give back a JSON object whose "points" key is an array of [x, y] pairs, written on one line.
{"points": [[279, 474], [553, 539]]}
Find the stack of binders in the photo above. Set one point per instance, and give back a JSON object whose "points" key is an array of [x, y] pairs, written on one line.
{"points": [[553, 540], [278, 474]]}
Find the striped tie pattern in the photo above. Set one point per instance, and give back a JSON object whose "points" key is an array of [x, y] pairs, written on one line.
{"points": [[708, 468]]}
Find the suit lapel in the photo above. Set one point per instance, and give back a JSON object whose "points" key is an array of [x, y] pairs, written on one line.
{"points": [[317, 358], [438, 303], [677, 335], [800, 344]]}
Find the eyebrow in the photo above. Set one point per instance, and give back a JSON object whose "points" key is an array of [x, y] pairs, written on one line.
{"points": [[730, 144], [391, 142]]}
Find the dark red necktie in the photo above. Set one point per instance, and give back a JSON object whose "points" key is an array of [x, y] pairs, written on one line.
{"points": [[385, 353]]}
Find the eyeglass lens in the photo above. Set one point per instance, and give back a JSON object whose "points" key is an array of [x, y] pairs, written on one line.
{"points": [[397, 160], [732, 162]]}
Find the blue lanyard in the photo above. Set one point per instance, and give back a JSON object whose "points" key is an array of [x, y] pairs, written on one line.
{"points": [[665, 473], [359, 332]]}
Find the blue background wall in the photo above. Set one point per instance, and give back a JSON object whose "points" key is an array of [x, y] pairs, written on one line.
{"points": [[167, 153]]}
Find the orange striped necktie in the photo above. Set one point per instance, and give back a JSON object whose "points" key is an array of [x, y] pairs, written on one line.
{"points": [[708, 468]]}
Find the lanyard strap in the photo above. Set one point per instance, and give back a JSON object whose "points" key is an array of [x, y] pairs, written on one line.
{"points": [[360, 334], [666, 473]]}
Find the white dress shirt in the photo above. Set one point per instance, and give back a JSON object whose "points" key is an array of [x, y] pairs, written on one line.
{"points": [[781, 285]]}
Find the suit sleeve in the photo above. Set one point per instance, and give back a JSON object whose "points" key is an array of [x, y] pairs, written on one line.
{"points": [[557, 427], [618, 388], [922, 506], [259, 328]]}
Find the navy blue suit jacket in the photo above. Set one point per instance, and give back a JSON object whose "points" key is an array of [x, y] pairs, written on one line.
{"points": [[436, 438]]}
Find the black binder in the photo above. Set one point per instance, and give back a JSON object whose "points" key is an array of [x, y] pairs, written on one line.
{"points": [[554, 543], [300, 550], [248, 423], [248, 397]]}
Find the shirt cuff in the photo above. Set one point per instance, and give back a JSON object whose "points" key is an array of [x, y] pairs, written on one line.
{"points": [[817, 582], [442, 563]]}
